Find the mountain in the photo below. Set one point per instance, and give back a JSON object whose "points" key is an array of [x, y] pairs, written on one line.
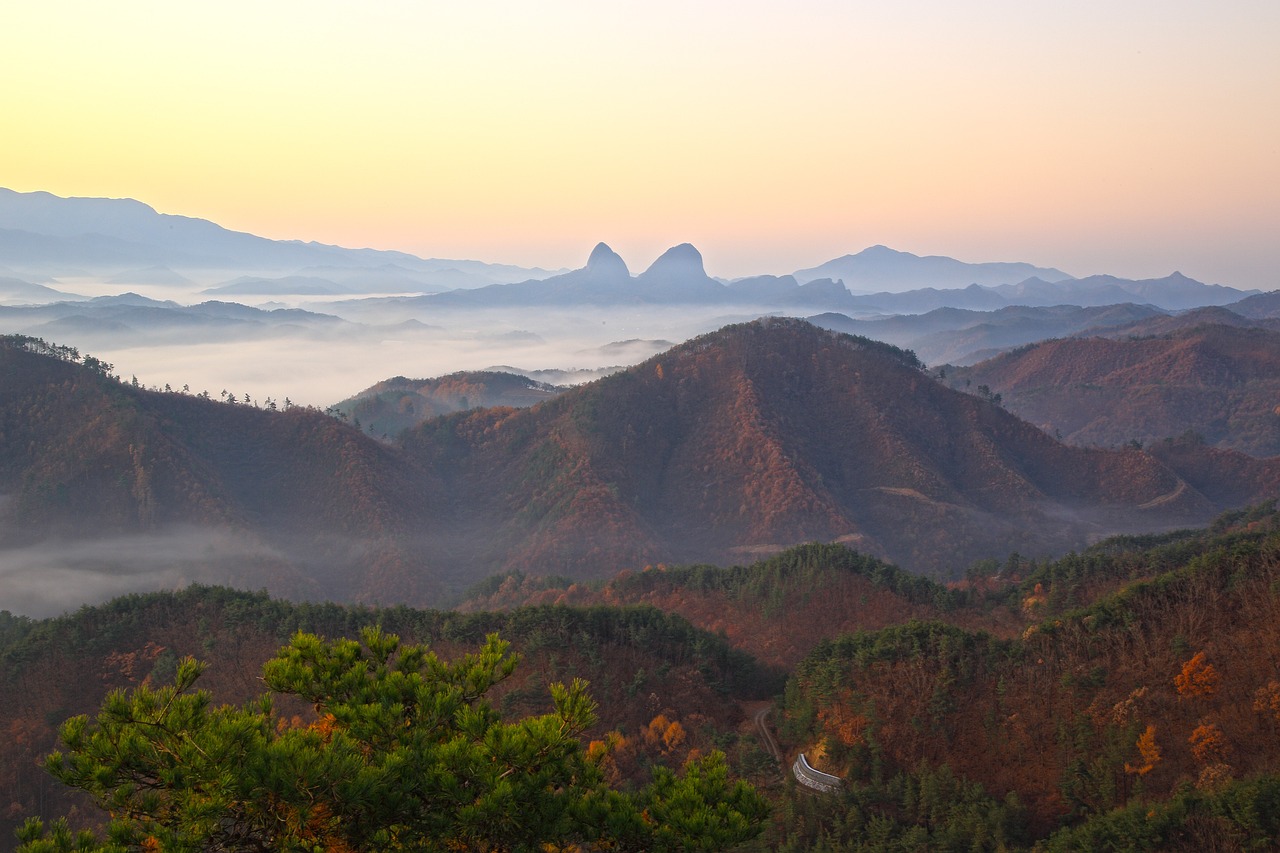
{"points": [[772, 433], [959, 336], [112, 488], [678, 276], [675, 277], [733, 445], [1162, 326], [786, 292], [1258, 306], [1219, 382], [880, 268], [43, 231], [394, 405], [1175, 292], [777, 609], [106, 320], [16, 291]]}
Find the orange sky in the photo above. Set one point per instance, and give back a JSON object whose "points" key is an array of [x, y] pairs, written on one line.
{"points": [[1133, 140]]}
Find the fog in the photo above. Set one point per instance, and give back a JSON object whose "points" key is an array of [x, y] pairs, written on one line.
{"points": [[58, 576], [321, 367]]}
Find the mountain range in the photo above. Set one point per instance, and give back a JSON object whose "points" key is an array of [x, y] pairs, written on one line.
{"points": [[116, 237], [679, 278], [881, 269], [735, 444], [128, 242]]}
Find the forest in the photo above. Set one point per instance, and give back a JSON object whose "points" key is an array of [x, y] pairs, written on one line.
{"points": [[1122, 697]]}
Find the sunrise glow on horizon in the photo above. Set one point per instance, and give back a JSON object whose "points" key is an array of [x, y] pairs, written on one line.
{"points": [[1133, 138]]}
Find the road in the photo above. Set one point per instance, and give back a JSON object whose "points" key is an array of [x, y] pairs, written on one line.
{"points": [[816, 779], [766, 736], [805, 774]]}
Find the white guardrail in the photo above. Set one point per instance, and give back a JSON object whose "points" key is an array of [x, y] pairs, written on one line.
{"points": [[816, 779]]}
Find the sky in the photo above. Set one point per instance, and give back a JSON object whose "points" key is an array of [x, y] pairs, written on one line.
{"points": [[1126, 137]]}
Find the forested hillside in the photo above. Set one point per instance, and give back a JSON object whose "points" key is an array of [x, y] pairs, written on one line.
{"points": [[762, 435], [394, 405], [1145, 680], [777, 609], [1218, 381], [1124, 696], [665, 689], [730, 447]]}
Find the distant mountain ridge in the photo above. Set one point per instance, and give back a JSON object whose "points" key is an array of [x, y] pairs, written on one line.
{"points": [[129, 242], [960, 336], [880, 268], [679, 277], [40, 229]]}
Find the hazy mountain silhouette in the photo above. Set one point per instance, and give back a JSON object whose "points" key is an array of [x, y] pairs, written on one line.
{"points": [[676, 277], [1258, 306], [141, 320], [880, 268], [959, 336], [16, 291], [1175, 292], [41, 230]]}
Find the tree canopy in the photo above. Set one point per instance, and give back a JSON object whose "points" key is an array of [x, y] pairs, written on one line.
{"points": [[399, 751]]}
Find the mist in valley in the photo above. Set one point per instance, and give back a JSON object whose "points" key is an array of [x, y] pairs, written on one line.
{"points": [[57, 576], [321, 364]]}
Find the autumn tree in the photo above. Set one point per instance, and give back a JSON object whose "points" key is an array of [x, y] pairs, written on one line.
{"points": [[1197, 678], [404, 753], [1149, 750], [1208, 744]]}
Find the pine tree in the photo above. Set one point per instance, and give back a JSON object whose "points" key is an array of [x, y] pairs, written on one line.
{"points": [[403, 753]]}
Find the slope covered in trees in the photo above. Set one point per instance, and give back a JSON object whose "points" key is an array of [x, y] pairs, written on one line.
{"points": [[1159, 689], [762, 435], [737, 444], [1124, 696], [287, 499], [666, 691], [396, 404], [777, 609], [1218, 381], [402, 751]]}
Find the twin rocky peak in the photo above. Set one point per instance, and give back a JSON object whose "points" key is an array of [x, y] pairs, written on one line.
{"points": [[682, 263]]}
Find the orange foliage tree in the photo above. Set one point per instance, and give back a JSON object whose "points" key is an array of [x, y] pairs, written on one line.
{"points": [[1208, 744], [1149, 750], [1266, 700], [1198, 677]]}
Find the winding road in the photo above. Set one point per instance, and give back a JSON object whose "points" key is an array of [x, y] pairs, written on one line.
{"points": [[801, 769]]}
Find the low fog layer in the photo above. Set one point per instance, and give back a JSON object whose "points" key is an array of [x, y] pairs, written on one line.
{"points": [[54, 577], [320, 368]]}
